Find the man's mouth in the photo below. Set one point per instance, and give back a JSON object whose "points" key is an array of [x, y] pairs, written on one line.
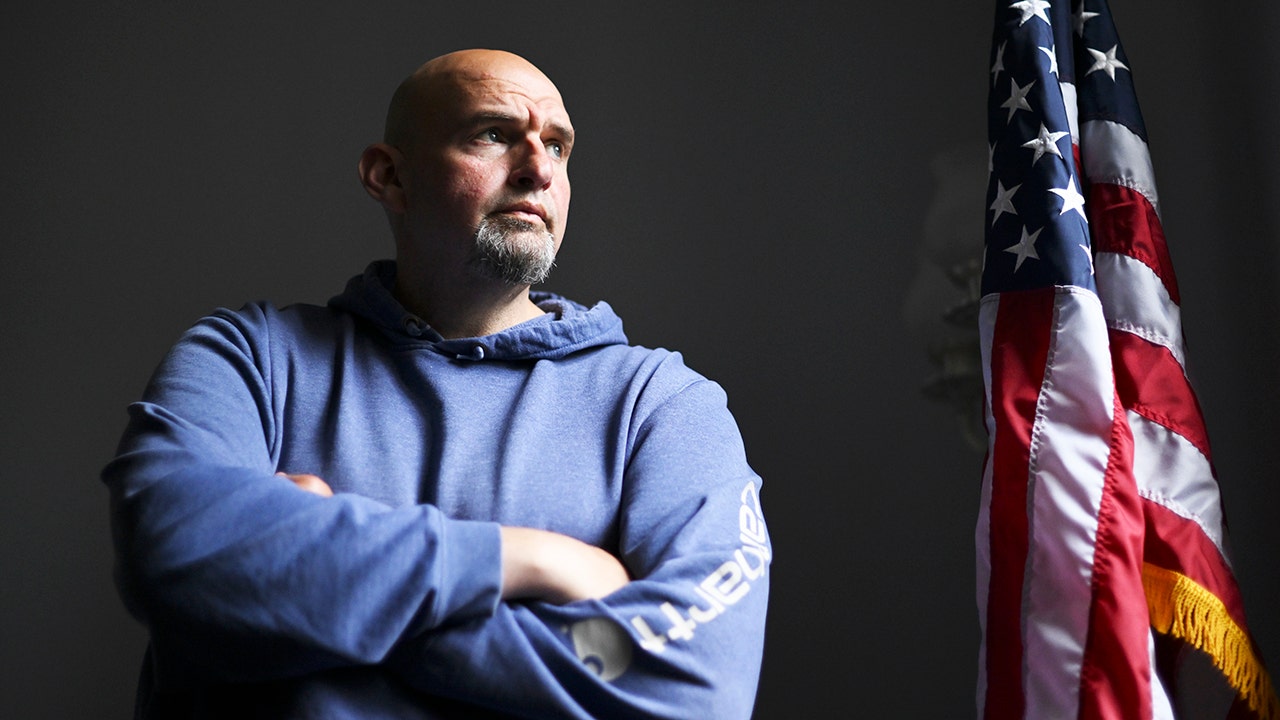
{"points": [[528, 212]]}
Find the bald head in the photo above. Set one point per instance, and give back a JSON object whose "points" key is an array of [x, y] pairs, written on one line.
{"points": [[441, 82], [473, 172]]}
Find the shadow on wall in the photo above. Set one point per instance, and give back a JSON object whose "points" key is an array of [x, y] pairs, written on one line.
{"points": [[941, 306]]}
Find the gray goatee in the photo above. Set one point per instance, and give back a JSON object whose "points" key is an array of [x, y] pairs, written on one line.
{"points": [[514, 251]]}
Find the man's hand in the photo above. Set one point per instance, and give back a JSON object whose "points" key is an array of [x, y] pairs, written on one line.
{"points": [[310, 483], [548, 566]]}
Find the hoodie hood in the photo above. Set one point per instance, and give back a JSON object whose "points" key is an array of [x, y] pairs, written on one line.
{"points": [[566, 328]]}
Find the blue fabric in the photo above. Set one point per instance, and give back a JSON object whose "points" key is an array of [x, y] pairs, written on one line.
{"points": [[384, 601]]}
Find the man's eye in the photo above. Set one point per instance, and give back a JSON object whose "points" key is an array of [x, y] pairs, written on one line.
{"points": [[491, 135], [556, 149]]}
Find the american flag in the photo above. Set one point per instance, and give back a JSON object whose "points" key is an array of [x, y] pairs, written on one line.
{"points": [[1104, 585]]}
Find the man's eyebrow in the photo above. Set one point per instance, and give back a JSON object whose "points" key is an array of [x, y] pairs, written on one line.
{"points": [[484, 118], [564, 130]]}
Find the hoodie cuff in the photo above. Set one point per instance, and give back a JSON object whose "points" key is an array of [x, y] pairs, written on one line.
{"points": [[470, 571]]}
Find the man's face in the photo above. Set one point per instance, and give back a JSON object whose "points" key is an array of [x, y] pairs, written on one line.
{"points": [[494, 151]]}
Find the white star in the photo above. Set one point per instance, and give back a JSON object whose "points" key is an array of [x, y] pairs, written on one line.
{"points": [[1046, 142], [1024, 248], [1030, 9], [1080, 18], [1071, 198], [1052, 52], [998, 66], [1105, 61], [1089, 254], [1003, 202], [1017, 98]]}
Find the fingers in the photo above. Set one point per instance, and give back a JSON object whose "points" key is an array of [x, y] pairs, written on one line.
{"points": [[310, 483]]}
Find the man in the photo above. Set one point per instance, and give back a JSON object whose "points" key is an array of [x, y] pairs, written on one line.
{"points": [[442, 495]]}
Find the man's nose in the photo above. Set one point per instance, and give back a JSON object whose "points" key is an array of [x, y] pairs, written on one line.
{"points": [[535, 166]]}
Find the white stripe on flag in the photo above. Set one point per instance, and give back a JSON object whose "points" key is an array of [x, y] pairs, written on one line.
{"points": [[983, 541], [987, 312], [1172, 473], [1161, 708], [1073, 119], [1125, 160], [1069, 453], [1138, 303]]}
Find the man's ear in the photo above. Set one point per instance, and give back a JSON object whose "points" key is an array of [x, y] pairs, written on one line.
{"points": [[380, 174]]}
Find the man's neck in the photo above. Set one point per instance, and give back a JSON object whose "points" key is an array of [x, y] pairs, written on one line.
{"points": [[467, 306]]}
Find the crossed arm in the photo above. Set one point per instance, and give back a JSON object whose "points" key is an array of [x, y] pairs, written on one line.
{"points": [[242, 580], [206, 551], [536, 564]]}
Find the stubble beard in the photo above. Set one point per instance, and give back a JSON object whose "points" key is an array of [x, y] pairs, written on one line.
{"points": [[514, 251]]}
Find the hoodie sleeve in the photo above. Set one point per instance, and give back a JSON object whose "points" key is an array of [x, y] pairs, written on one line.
{"points": [[238, 575], [684, 639]]}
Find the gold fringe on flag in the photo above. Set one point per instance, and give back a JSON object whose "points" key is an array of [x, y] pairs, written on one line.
{"points": [[1181, 607]]}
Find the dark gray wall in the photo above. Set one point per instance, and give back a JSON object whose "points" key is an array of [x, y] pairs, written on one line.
{"points": [[751, 187]]}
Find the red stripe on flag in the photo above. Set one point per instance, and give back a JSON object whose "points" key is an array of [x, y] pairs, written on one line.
{"points": [[1178, 544], [1151, 383], [1123, 221], [1115, 672], [1019, 350]]}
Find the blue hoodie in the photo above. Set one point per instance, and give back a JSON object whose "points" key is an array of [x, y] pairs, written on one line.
{"points": [[263, 600]]}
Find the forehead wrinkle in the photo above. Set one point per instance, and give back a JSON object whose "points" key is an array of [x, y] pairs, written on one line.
{"points": [[504, 91], [548, 113]]}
